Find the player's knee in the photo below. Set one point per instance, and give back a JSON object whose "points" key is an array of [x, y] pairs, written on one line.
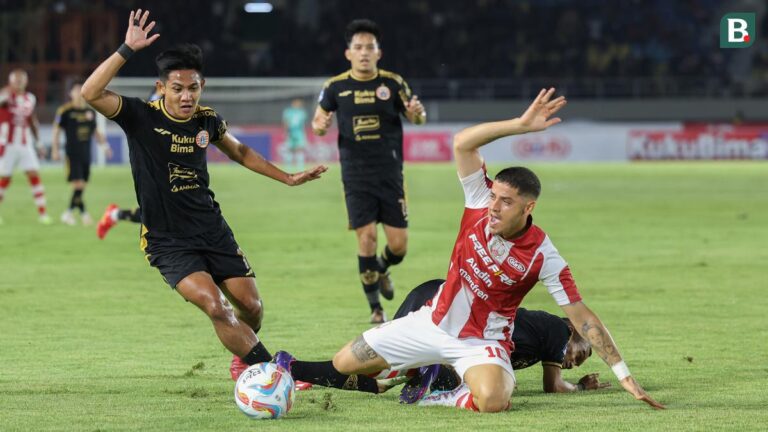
{"points": [[343, 362], [218, 309], [491, 403], [367, 243], [491, 398], [253, 309]]}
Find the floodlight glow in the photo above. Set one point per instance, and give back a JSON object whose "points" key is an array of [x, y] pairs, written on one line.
{"points": [[260, 7]]}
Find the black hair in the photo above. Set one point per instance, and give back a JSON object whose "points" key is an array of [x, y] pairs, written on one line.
{"points": [[185, 56], [361, 26], [522, 179]]}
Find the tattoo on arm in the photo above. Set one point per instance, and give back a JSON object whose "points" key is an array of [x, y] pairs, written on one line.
{"points": [[601, 341], [362, 351]]}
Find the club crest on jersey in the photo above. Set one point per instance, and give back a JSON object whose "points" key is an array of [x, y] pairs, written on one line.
{"points": [[383, 93], [498, 248], [517, 265], [202, 139]]}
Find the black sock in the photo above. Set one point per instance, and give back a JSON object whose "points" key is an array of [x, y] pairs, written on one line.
{"points": [[324, 374], [388, 258], [129, 215], [369, 276], [77, 200], [258, 354]]}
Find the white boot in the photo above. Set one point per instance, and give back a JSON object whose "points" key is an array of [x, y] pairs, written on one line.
{"points": [[459, 397]]}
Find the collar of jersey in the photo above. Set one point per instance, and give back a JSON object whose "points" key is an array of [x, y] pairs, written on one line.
{"points": [[170, 117], [352, 75]]}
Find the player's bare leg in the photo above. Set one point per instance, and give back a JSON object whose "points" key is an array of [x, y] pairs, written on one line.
{"points": [[236, 335], [369, 269], [200, 290], [357, 357], [243, 294], [393, 254], [486, 388]]}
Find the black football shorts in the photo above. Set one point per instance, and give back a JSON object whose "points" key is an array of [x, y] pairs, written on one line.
{"points": [[376, 200], [215, 252]]}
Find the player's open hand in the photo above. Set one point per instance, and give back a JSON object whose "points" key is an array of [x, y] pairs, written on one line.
{"points": [[592, 382], [537, 116], [137, 35], [634, 388], [305, 176]]}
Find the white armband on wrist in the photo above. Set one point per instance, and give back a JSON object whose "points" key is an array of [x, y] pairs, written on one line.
{"points": [[621, 370]]}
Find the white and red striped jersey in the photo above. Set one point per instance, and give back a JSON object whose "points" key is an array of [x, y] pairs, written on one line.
{"points": [[489, 276], [15, 118]]}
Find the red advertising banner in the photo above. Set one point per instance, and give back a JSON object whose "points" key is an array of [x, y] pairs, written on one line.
{"points": [[427, 146]]}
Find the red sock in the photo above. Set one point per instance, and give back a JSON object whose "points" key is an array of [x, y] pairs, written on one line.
{"points": [[38, 192], [467, 402], [4, 182]]}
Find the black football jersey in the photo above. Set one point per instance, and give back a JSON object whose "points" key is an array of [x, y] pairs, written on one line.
{"points": [[78, 125], [169, 166], [370, 128]]}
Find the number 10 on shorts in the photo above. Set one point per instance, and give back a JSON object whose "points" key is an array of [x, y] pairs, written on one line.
{"points": [[494, 351]]}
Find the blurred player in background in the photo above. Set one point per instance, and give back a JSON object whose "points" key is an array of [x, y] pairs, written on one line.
{"points": [[294, 121], [368, 102], [20, 139], [184, 234], [78, 121]]}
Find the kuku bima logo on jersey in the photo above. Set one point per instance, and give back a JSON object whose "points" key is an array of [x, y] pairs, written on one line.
{"points": [[737, 30]]}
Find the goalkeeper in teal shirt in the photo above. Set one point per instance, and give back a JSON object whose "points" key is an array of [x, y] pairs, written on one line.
{"points": [[294, 119]]}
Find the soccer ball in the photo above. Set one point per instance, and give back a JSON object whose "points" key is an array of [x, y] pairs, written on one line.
{"points": [[264, 391]]}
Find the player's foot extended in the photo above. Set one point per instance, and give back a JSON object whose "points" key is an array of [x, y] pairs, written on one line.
{"points": [[386, 286], [283, 359], [237, 367], [106, 222], [378, 316], [68, 218], [418, 386], [45, 219], [86, 219]]}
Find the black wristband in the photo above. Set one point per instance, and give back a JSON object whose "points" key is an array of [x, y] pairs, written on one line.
{"points": [[125, 51]]}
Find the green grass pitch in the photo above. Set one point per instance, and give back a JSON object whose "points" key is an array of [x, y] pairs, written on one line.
{"points": [[672, 256]]}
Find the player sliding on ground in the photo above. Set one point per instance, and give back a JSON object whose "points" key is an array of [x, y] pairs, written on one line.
{"points": [[184, 234], [499, 256]]}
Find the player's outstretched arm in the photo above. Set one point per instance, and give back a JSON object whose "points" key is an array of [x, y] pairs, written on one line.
{"points": [[94, 89], [592, 329], [247, 157], [321, 121], [537, 117]]}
